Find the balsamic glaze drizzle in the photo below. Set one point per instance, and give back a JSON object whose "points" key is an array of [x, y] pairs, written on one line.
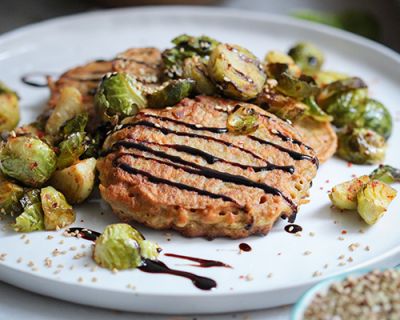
{"points": [[28, 79], [293, 228], [244, 247], [202, 263]]}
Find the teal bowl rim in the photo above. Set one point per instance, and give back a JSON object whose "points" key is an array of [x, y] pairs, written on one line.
{"points": [[299, 308]]}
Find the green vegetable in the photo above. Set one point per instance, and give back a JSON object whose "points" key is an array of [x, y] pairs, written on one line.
{"points": [[118, 96], [77, 181], [315, 112], [57, 212], [68, 106], [362, 23], [170, 93], [296, 87], [323, 78], [149, 250], [118, 247], [361, 146], [185, 47], [274, 56], [28, 160], [9, 108], [236, 72], [71, 149], [386, 174], [31, 219], [344, 195], [340, 86], [308, 57], [373, 200], [30, 197], [76, 124], [10, 194], [243, 120], [195, 69]]}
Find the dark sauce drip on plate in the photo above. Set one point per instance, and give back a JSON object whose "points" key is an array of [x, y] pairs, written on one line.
{"points": [[244, 247], [32, 79], [202, 263], [152, 266], [293, 228]]}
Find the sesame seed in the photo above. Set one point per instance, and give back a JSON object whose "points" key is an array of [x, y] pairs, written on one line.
{"points": [[94, 279], [249, 277], [311, 234], [341, 264], [340, 238], [317, 274], [269, 275], [49, 237], [307, 253], [341, 257], [80, 279], [19, 260], [61, 242], [27, 241], [367, 248]]}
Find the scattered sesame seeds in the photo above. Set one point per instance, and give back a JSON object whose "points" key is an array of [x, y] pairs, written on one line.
{"points": [[94, 279], [307, 253], [61, 242], [350, 259], [31, 264], [353, 246], [340, 238], [341, 257], [73, 248], [317, 274], [114, 270], [80, 279], [49, 237], [48, 262], [79, 255], [56, 252], [3, 256]]}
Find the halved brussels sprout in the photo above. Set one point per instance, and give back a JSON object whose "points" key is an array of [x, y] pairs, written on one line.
{"points": [[30, 197], [296, 87], [373, 115], [195, 69], [236, 71], [9, 108], [10, 194], [31, 219], [308, 57], [340, 86], [170, 93], [118, 96], [28, 160], [277, 103], [243, 120], [68, 106], [77, 181], [361, 146], [386, 174], [118, 247], [58, 213], [344, 195], [273, 57], [71, 149], [76, 124], [185, 47], [323, 78], [373, 200], [315, 112]]}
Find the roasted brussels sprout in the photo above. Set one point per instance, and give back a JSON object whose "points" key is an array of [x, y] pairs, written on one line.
{"points": [[77, 181], [71, 149], [386, 174], [28, 160], [9, 108], [340, 86], [58, 213], [296, 87], [308, 57], [76, 124], [373, 115], [323, 78], [275, 102], [273, 57], [242, 120], [118, 96], [344, 195], [31, 219], [195, 69], [185, 47], [149, 250], [315, 112], [236, 71], [361, 146], [373, 200], [118, 247], [68, 106], [10, 194], [30, 197], [170, 93]]}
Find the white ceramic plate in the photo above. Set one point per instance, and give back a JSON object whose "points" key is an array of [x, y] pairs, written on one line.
{"points": [[276, 271]]}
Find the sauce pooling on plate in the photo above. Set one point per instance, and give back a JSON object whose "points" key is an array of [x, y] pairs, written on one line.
{"points": [[244, 247]]}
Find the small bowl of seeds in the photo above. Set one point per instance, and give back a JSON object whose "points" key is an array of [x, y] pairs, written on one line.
{"points": [[369, 295]]}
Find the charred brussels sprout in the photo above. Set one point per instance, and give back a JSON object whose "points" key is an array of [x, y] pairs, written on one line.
{"points": [[57, 212], [31, 218], [185, 47], [344, 195], [195, 69], [386, 174], [361, 146], [315, 112], [71, 149], [77, 181], [118, 96], [118, 247], [68, 106], [273, 57], [308, 57], [323, 78], [170, 93], [9, 108], [236, 71], [76, 124], [373, 200], [243, 120], [340, 86], [10, 194], [28, 160]]}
